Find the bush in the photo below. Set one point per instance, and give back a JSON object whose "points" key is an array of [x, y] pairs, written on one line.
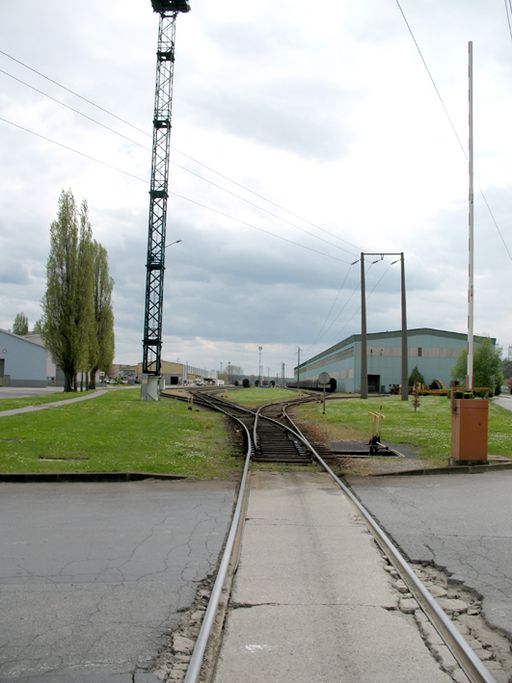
{"points": [[416, 377]]}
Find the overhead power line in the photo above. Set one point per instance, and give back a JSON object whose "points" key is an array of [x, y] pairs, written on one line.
{"points": [[144, 132], [175, 194], [73, 92], [452, 125], [174, 163]]}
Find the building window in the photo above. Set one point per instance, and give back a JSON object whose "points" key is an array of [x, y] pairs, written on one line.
{"points": [[420, 351]]}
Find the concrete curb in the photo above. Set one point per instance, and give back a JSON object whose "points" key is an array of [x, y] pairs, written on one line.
{"points": [[26, 477], [454, 469]]}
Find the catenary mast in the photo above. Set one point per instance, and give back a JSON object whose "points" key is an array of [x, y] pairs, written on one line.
{"points": [[158, 193]]}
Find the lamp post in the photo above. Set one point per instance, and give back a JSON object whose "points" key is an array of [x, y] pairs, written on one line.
{"points": [[171, 243], [260, 348]]}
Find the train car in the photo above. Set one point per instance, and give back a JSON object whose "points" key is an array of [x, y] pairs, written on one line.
{"points": [[314, 385]]}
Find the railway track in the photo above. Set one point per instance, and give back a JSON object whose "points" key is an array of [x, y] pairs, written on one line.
{"points": [[273, 437], [257, 440]]}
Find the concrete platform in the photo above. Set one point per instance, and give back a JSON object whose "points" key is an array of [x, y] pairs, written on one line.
{"points": [[311, 599]]}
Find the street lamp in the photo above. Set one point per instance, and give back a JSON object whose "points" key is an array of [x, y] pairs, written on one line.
{"points": [[260, 348], [171, 243]]}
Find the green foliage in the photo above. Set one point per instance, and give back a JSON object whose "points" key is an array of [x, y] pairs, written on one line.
{"points": [[487, 370], [101, 351], [70, 325], [38, 327], [416, 377], [20, 325], [506, 367]]}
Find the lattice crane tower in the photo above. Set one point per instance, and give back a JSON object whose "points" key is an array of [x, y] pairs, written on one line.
{"points": [[158, 193]]}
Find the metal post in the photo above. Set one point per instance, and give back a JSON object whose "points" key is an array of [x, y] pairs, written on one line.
{"points": [[298, 366], [405, 351], [469, 375], [158, 193], [259, 365], [363, 389]]}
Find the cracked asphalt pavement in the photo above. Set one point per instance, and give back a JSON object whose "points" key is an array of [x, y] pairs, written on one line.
{"points": [[93, 575], [460, 522]]}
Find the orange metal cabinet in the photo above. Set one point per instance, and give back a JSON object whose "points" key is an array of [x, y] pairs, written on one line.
{"points": [[469, 431]]}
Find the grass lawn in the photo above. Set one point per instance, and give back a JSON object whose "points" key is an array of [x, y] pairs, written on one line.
{"points": [[258, 396], [23, 401], [429, 429], [118, 432]]}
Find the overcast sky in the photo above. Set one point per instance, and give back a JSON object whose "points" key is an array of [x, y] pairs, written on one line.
{"points": [[325, 116]]}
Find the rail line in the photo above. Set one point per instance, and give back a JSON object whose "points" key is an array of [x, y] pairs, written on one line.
{"points": [[256, 440]]}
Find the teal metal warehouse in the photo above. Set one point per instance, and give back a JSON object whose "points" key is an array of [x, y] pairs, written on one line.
{"points": [[434, 351]]}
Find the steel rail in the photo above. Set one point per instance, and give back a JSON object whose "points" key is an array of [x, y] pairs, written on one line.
{"points": [[461, 650], [291, 431], [196, 660]]}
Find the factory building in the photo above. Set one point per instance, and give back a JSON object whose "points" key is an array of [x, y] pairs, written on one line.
{"points": [[23, 363], [433, 351]]}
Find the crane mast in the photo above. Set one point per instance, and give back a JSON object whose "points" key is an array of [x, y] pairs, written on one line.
{"points": [[158, 194]]}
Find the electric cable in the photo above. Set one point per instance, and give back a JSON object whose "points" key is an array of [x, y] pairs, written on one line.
{"points": [[140, 130], [173, 163], [175, 194], [452, 125]]}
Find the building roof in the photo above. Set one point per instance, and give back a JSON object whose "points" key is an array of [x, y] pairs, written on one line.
{"points": [[389, 334], [23, 339]]}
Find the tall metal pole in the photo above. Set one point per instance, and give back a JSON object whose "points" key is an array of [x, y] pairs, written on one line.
{"points": [[363, 389], [259, 365], [469, 376], [158, 193], [405, 351], [298, 366]]}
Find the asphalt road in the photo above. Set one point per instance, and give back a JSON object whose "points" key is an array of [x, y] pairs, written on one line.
{"points": [[461, 522], [92, 575]]}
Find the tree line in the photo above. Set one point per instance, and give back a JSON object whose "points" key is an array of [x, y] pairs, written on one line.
{"points": [[77, 324]]}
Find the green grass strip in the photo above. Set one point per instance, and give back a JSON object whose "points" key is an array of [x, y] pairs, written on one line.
{"points": [[117, 432], [428, 429]]}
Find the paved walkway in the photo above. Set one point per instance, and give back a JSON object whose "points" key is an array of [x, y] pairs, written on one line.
{"points": [[53, 404], [504, 401], [311, 599]]}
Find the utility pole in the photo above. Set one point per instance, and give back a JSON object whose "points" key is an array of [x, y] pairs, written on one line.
{"points": [[363, 388], [364, 344], [298, 366], [158, 193], [469, 375], [405, 351]]}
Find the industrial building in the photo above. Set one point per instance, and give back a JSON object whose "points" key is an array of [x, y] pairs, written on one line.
{"points": [[23, 362], [174, 373], [434, 352]]}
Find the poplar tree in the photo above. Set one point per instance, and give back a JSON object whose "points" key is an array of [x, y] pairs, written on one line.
{"points": [[67, 303], [101, 350], [20, 325]]}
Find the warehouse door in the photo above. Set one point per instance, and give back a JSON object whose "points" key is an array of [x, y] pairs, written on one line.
{"points": [[374, 384]]}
